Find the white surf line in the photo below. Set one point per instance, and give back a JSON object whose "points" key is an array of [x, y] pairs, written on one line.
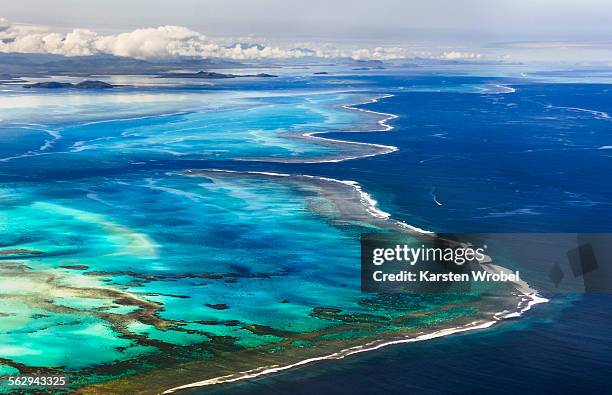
{"points": [[434, 197], [28, 154], [54, 134], [502, 89], [250, 374], [387, 116], [530, 296], [385, 127], [523, 306], [128, 118], [370, 204], [596, 114]]}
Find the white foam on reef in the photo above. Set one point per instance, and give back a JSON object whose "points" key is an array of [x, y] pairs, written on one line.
{"points": [[434, 197], [26, 155], [123, 119], [596, 114], [529, 296], [499, 88], [370, 204], [54, 134], [527, 301], [250, 374], [384, 127], [387, 116]]}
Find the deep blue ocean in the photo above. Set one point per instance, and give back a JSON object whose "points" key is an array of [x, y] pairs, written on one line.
{"points": [[532, 161], [536, 160]]}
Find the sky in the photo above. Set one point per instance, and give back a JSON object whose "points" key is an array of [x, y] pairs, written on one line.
{"points": [[556, 29]]}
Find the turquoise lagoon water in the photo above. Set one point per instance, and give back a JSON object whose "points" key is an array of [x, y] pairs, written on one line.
{"points": [[101, 251], [111, 266], [235, 227]]}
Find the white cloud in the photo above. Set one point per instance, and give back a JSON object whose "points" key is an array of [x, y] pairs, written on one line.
{"points": [[154, 43], [379, 53], [160, 42], [170, 41], [456, 55]]}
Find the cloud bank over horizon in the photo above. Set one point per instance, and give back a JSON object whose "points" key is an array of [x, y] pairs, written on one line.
{"points": [[176, 41]]}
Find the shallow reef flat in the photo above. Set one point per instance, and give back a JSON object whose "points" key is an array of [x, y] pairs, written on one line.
{"points": [[123, 282], [179, 125]]}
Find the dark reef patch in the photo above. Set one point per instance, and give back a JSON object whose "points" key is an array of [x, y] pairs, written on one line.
{"points": [[217, 306]]}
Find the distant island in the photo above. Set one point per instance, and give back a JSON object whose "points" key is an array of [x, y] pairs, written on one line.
{"points": [[68, 85], [212, 75]]}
